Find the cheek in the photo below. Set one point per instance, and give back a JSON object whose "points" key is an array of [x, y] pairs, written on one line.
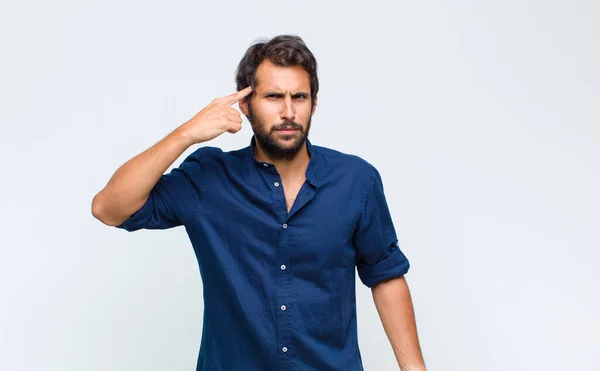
{"points": [[266, 110], [304, 110]]}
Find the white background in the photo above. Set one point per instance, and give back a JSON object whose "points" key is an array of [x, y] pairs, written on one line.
{"points": [[482, 117]]}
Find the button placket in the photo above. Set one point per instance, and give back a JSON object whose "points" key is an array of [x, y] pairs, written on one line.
{"points": [[284, 298], [283, 278]]}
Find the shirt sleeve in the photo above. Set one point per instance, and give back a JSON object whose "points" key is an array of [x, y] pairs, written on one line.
{"points": [[378, 256], [172, 198]]}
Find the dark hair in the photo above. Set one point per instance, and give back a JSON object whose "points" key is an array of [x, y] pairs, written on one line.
{"points": [[282, 50]]}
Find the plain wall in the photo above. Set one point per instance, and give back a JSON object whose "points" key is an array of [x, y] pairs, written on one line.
{"points": [[482, 117]]}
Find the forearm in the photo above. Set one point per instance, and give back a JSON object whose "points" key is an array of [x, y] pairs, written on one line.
{"points": [[129, 187], [394, 305]]}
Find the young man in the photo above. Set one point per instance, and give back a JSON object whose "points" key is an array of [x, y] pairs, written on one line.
{"points": [[278, 227]]}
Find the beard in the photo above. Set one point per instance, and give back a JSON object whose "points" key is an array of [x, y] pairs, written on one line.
{"points": [[276, 146]]}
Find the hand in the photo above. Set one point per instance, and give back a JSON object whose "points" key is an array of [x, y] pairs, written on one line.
{"points": [[216, 118]]}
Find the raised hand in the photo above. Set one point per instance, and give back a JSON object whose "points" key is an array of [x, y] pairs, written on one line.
{"points": [[216, 118]]}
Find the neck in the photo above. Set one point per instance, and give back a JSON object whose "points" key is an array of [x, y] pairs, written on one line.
{"points": [[293, 168]]}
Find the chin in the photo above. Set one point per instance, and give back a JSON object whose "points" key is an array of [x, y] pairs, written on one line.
{"points": [[287, 138]]}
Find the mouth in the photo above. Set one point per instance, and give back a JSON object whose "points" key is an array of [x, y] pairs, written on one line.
{"points": [[287, 130]]}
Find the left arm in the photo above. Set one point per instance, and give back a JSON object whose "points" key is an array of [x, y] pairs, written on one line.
{"points": [[394, 304]]}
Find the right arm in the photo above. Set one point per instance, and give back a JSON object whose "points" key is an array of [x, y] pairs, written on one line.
{"points": [[130, 186]]}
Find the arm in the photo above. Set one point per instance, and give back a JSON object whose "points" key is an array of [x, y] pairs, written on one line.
{"points": [[381, 266], [129, 187], [394, 305]]}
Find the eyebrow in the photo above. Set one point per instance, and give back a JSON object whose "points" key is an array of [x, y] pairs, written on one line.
{"points": [[280, 94]]}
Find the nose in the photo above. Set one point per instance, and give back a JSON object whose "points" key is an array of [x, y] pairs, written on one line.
{"points": [[288, 110]]}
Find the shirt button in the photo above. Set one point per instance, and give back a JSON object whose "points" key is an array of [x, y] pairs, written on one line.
{"points": [[266, 165], [285, 226], [283, 307], [284, 349], [283, 267], [276, 184]]}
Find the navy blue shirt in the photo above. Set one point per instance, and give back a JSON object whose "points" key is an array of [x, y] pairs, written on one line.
{"points": [[279, 287]]}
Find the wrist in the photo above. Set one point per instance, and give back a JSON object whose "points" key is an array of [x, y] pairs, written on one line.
{"points": [[184, 137]]}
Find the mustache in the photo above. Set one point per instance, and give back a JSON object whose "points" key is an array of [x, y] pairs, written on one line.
{"points": [[287, 125]]}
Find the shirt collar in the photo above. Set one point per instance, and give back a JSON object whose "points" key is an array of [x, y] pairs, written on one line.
{"points": [[311, 175]]}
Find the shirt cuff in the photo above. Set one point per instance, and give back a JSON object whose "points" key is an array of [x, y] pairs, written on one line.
{"points": [[394, 265], [138, 219]]}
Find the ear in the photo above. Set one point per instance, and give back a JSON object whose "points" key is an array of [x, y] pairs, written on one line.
{"points": [[243, 104], [314, 107]]}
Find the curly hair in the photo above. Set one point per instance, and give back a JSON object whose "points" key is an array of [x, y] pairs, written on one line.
{"points": [[282, 50]]}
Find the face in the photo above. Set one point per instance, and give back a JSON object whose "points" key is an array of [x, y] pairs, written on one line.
{"points": [[280, 111]]}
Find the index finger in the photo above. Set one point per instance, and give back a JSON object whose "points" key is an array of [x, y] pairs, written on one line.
{"points": [[235, 97]]}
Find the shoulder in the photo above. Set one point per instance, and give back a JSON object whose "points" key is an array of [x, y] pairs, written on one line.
{"points": [[214, 160], [351, 164], [216, 154], [205, 154], [209, 157], [201, 162]]}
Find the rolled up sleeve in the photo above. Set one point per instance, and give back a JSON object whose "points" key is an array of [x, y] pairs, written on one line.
{"points": [[378, 256], [172, 198]]}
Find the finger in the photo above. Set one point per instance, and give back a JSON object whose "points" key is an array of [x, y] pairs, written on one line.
{"points": [[235, 119], [235, 97], [234, 127], [232, 115]]}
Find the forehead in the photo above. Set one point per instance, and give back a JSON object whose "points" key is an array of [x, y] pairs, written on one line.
{"points": [[270, 76]]}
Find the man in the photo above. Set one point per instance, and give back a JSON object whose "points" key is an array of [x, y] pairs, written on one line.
{"points": [[278, 227]]}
